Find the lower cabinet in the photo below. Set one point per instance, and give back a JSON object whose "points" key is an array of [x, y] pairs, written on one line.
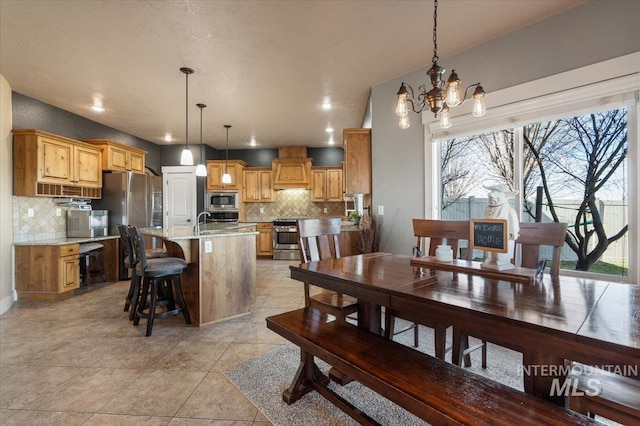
{"points": [[46, 272], [264, 240]]}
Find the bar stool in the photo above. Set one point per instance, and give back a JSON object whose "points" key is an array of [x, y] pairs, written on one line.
{"points": [[131, 300], [156, 276], [88, 251]]}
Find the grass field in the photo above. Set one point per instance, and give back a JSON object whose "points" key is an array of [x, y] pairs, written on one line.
{"points": [[600, 267]]}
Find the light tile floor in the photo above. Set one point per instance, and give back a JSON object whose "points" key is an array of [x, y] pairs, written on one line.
{"points": [[80, 361]]}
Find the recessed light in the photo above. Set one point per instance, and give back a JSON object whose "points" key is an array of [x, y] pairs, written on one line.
{"points": [[326, 105], [97, 108], [331, 141], [168, 137], [253, 141], [329, 129]]}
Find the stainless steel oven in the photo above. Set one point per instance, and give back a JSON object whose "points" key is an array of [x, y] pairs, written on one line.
{"points": [[223, 216], [286, 245]]}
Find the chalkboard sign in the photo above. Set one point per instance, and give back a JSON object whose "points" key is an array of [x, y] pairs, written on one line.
{"points": [[489, 235]]}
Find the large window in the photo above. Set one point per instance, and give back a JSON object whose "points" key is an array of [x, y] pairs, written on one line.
{"points": [[571, 169]]}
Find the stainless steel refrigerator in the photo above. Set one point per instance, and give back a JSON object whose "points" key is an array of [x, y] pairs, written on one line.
{"points": [[132, 199]]}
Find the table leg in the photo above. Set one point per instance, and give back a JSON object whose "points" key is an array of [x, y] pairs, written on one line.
{"points": [[370, 317], [307, 373], [543, 376]]}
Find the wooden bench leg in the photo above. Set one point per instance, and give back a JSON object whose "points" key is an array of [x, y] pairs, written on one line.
{"points": [[307, 373]]}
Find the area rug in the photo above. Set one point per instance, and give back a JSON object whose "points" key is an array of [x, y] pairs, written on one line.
{"points": [[262, 380]]}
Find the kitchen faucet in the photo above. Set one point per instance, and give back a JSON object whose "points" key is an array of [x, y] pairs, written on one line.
{"points": [[196, 229]]}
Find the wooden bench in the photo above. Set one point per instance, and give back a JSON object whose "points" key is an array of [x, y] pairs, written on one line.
{"points": [[436, 391], [604, 393]]}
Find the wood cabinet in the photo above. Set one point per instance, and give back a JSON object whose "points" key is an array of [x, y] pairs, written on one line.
{"points": [[117, 157], [326, 184], [215, 170], [257, 185], [357, 161], [291, 173], [46, 272], [51, 165], [264, 240]]}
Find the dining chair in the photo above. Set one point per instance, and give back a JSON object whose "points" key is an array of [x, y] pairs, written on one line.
{"points": [[319, 241], [156, 277], [437, 232], [532, 237]]}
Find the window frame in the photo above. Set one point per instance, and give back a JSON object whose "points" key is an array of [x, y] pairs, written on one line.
{"points": [[571, 93]]}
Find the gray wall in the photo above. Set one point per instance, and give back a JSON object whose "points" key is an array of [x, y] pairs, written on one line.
{"points": [[29, 113], [593, 32]]}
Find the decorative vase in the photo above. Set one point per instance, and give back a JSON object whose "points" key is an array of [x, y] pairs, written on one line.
{"points": [[355, 220], [444, 253]]}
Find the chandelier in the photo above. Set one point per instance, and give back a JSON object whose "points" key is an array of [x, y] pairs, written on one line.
{"points": [[443, 95]]}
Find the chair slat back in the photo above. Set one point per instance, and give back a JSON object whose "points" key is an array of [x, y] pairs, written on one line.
{"points": [[138, 246], [127, 248], [534, 235], [453, 231], [318, 239]]}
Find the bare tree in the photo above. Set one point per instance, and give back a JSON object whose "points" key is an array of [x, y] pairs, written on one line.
{"points": [[596, 147], [456, 179]]}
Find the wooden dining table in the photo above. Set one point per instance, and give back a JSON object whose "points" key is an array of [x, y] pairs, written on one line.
{"points": [[593, 322]]}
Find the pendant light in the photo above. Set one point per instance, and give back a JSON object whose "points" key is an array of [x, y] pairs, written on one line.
{"points": [[201, 169], [186, 159], [226, 177]]}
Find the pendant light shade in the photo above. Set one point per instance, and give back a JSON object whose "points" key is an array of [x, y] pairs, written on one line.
{"points": [[226, 177], [201, 170], [186, 159]]}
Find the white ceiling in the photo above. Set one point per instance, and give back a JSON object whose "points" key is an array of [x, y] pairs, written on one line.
{"points": [[264, 67]]}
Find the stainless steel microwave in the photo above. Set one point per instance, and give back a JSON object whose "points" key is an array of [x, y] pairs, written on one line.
{"points": [[217, 201]]}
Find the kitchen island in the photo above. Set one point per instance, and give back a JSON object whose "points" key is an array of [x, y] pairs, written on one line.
{"points": [[220, 281]]}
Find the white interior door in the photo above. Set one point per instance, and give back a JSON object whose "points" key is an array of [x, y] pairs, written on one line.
{"points": [[179, 195]]}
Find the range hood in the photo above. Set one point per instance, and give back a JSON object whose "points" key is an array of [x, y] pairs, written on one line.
{"points": [[292, 168]]}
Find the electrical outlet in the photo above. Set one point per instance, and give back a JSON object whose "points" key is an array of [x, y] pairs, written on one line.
{"points": [[326, 210], [58, 212], [29, 212], [381, 210], [208, 247], [261, 210]]}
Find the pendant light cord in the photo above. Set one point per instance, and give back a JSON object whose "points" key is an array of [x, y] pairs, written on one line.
{"points": [[186, 110], [201, 106], [226, 161]]}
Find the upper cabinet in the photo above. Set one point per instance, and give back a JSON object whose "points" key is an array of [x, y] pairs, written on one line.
{"points": [[54, 166], [357, 161], [257, 185], [215, 170], [326, 184], [117, 157]]}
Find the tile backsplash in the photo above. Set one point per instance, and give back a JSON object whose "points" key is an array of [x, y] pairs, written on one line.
{"points": [[292, 203], [43, 225]]}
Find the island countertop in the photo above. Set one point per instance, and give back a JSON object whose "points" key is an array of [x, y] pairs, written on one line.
{"points": [[209, 230], [220, 280]]}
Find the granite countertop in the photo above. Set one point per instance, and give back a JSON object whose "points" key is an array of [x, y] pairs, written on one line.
{"points": [[345, 225], [209, 230], [65, 241]]}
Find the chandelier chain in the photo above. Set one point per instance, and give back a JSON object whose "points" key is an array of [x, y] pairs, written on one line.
{"points": [[435, 28]]}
